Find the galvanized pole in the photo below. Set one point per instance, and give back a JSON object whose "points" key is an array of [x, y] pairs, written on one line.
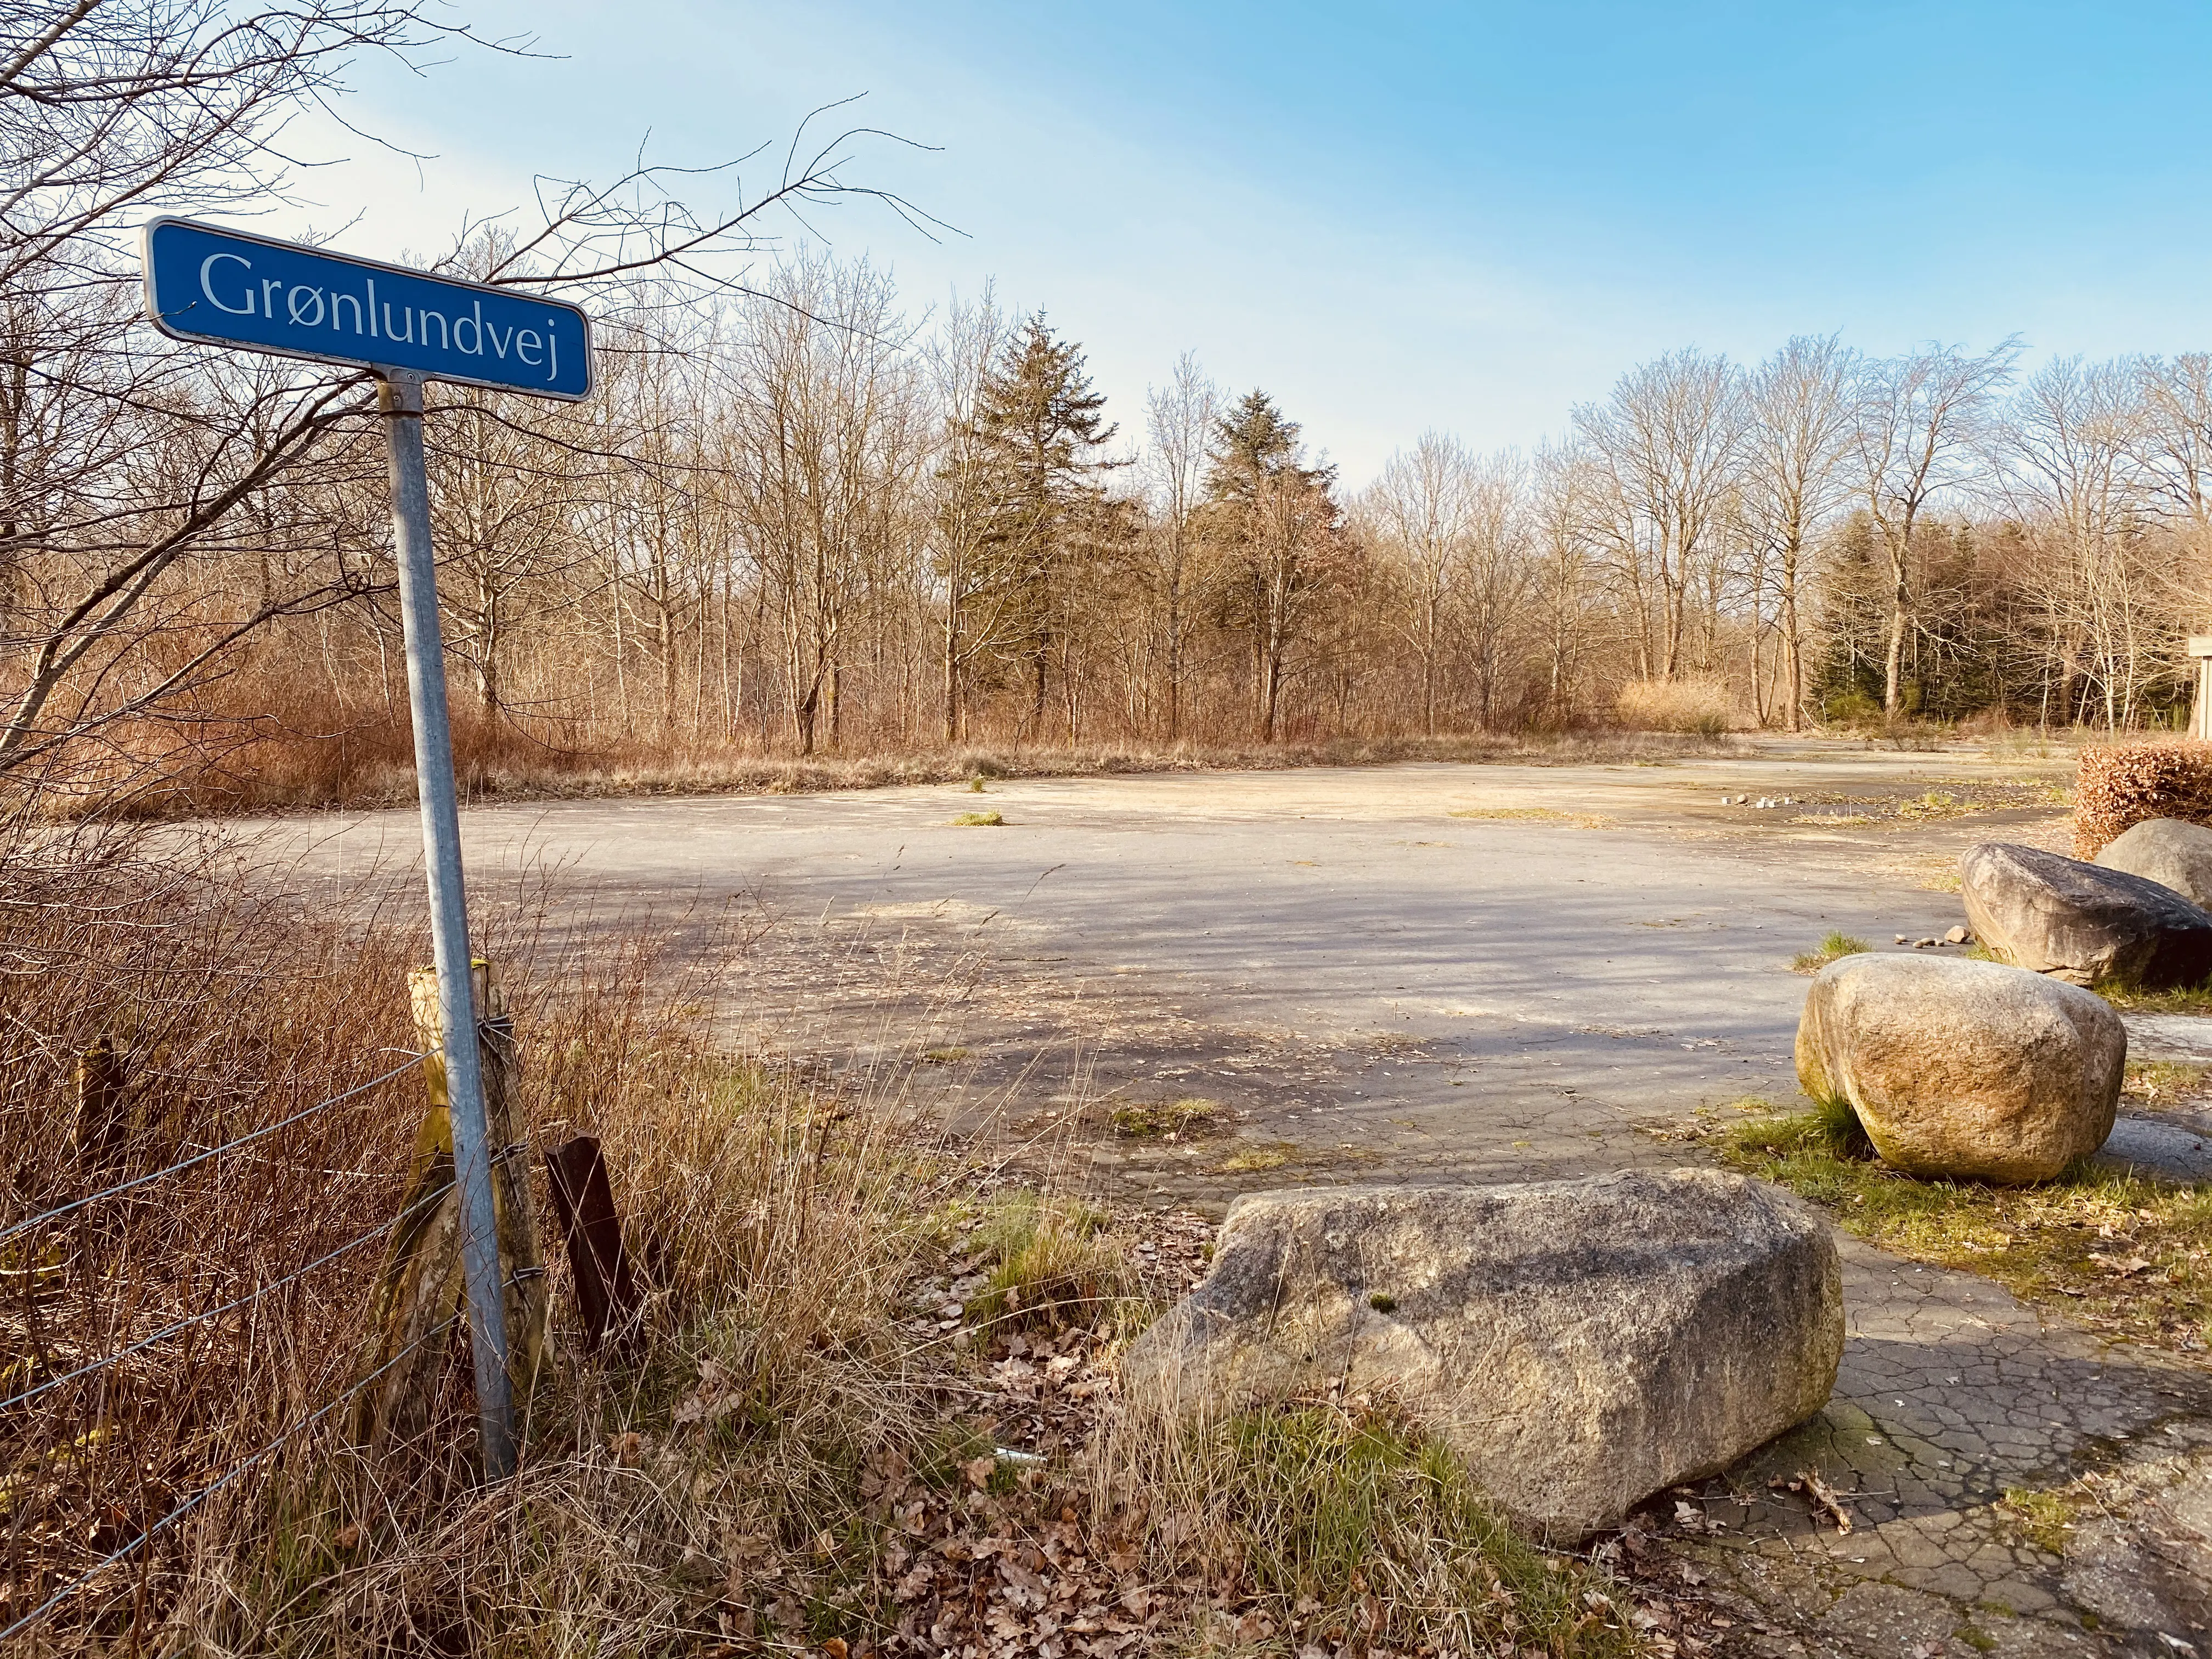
{"points": [[399, 395]]}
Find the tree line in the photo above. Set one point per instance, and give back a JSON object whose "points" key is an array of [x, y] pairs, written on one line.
{"points": [[803, 514]]}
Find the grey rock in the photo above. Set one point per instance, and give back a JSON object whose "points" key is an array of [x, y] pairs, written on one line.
{"points": [[2083, 923], [2167, 851], [1968, 1070], [1580, 1344]]}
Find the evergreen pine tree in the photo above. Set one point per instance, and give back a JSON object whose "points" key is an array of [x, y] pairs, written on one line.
{"points": [[1038, 426]]}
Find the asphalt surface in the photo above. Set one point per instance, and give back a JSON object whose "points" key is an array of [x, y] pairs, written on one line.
{"points": [[1332, 954]]}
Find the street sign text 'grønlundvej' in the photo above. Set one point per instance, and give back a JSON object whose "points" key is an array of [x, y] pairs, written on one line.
{"points": [[223, 287]]}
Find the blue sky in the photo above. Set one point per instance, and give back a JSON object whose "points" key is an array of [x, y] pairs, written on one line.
{"points": [[1397, 216]]}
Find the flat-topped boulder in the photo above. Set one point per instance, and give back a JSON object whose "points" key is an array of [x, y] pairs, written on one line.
{"points": [[2083, 923], [1964, 1070], [2171, 851], [1580, 1344]]}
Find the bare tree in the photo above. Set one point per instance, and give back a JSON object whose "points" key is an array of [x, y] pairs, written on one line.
{"points": [[2174, 446], [1565, 560], [108, 113], [130, 462], [1419, 514], [830, 441], [1180, 419], [978, 597], [1801, 409], [1919, 419], [1668, 442], [2067, 448]]}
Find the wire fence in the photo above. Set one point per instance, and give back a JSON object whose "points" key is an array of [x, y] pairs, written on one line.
{"points": [[35, 1222], [38, 1614], [169, 1332]]}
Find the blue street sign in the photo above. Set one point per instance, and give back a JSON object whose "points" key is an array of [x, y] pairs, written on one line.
{"points": [[225, 287]]}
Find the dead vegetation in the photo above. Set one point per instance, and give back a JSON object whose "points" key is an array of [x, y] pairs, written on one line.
{"points": [[872, 1408], [266, 765]]}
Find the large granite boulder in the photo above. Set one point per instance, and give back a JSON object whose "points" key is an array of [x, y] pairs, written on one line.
{"points": [[1580, 1344], [1969, 1070], [2169, 851], [2083, 923]]}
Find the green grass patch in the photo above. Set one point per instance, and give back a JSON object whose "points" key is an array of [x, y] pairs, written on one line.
{"points": [[2126, 998], [2126, 1254], [1254, 1159], [1836, 944], [2179, 1000], [2163, 1082], [1141, 1119], [2044, 1518], [1050, 1263], [1351, 1528], [978, 820]]}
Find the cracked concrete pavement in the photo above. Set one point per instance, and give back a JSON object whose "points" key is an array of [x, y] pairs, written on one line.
{"points": [[1448, 972]]}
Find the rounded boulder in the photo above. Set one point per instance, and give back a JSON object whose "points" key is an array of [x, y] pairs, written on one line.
{"points": [[2169, 851], [2083, 923], [1967, 1070], [1579, 1344]]}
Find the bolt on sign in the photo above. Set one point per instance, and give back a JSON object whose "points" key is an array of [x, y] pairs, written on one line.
{"points": [[226, 288]]}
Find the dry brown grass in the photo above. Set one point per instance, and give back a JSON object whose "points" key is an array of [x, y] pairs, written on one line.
{"points": [[1704, 708], [775, 1227], [263, 765], [800, 1433]]}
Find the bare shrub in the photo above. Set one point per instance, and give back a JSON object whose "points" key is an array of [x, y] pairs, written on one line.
{"points": [[2119, 787], [776, 1225], [1699, 708]]}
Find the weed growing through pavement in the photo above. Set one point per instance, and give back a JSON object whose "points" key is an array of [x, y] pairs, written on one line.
{"points": [[1831, 949], [1533, 815], [2042, 1517], [1257, 1158], [978, 820], [1141, 1120], [2123, 1252]]}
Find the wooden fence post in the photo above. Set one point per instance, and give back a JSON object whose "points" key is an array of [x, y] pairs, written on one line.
{"points": [[584, 1202], [103, 1123], [419, 1285], [522, 1259]]}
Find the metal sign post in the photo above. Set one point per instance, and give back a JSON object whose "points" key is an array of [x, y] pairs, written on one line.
{"points": [[222, 287]]}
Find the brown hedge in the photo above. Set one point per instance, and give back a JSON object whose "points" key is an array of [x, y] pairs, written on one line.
{"points": [[2117, 788]]}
